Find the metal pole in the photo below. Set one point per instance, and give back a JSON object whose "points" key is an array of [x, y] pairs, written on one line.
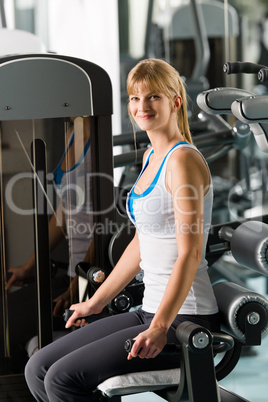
{"points": [[201, 41], [3, 14], [43, 281]]}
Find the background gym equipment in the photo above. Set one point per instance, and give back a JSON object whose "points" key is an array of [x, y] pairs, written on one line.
{"points": [[229, 101], [197, 31], [222, 101], [219, 100], [254, 255], [249, 111], [253, 111]]}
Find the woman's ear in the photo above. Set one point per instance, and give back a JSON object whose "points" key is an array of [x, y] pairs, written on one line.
{"points": [[177, 102]]}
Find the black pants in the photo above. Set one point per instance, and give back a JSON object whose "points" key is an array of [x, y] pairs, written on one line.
{"points": [[71, 368]]}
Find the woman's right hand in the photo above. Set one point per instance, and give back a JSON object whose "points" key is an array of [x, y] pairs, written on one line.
{"points": [[20, 275], [81, 310]]}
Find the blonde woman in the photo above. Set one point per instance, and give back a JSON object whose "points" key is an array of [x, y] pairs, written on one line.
{"points": [[170, 205]]}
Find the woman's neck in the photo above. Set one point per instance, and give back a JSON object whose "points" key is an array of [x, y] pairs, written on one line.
{"points": [[162, 143]]}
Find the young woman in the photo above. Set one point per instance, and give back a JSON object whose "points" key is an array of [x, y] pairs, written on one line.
{"points": [[170, 205]]}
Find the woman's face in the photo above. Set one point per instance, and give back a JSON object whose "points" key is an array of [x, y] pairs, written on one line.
{"points": [[150, 110]]}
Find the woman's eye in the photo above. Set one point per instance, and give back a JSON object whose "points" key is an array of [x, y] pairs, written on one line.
{"points": [[133, 98], [154, 97]]}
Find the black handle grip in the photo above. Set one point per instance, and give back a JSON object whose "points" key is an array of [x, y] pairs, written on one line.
{"points": [[242, 67], [263, 74], [128, 345], [67, 314], [169, 348]]}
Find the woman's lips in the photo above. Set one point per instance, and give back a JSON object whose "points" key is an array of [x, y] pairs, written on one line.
{"points": [[145, 117]]}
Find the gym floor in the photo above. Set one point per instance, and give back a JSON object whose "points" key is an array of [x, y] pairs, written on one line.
{"points": [[249, 379]]}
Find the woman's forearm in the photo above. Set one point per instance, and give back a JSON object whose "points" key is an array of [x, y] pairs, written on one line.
{"points": [[124, 271], [177, 289]]}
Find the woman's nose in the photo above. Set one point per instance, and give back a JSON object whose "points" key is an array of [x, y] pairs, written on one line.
{"points": [[143, 104]]}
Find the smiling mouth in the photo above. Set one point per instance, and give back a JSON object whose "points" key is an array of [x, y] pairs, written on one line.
{"points": [[146, 117]]}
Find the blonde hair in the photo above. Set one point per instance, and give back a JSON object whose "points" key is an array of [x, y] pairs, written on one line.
{"points": [[161, 77]]}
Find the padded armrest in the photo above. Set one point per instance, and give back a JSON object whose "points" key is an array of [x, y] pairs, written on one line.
{"points": [[219, 100], [251, 109], [241, 309]]}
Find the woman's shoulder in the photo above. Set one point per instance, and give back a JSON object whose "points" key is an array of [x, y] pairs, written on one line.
{"points": [[187, 153], [189, 161]]}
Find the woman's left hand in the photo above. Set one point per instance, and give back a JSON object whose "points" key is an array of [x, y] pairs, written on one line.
{"points": [[148, 344]]}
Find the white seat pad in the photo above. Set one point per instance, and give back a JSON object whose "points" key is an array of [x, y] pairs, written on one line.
{"points": [[139, 382]]}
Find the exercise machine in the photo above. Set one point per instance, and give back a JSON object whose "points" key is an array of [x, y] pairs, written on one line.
{"points": [[244, 321], [48, 92]]}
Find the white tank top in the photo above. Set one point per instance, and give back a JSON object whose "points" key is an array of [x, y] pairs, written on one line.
{"points": [[152, 213]]}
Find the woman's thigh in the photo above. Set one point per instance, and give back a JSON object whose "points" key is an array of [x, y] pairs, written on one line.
{"points": [[86, 357], [83, 369], [73, 348], [81, 337]]}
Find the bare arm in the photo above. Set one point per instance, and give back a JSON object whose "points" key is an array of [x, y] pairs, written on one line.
{"points": [[188, 179], [124, 271]]}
